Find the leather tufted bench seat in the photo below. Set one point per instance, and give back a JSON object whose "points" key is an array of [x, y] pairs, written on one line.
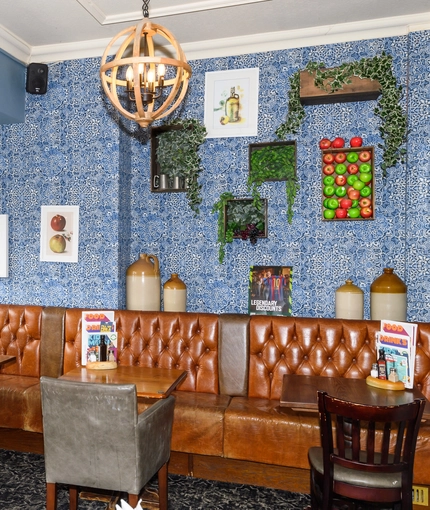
{"points": [[227, 421]]}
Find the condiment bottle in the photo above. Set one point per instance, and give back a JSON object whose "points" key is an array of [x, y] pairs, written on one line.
{"points": [[349, 300], [388, 297], [382, 365], [374, 371]]}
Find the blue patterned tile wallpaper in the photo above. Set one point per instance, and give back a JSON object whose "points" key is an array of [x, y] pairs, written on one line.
{"points": [[73, 149]]}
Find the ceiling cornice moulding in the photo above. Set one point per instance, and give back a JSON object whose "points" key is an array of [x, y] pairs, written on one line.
{"points": [[316, 36], [183, 8]]}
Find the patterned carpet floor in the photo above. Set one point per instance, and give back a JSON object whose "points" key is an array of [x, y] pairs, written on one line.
{"points": [[22, 487]]}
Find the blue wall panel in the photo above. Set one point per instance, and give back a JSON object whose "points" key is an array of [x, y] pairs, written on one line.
{"points": [[73, 149]]}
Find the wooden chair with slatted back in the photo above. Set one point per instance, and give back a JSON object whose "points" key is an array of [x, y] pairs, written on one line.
{"points": [[367, 454]]}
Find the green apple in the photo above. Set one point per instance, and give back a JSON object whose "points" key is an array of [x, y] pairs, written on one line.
{"points": [[351, 179], [365, 177], [328, 180], [329, 214], [354, 212], [352, 157], [366, 191], [57, 243]]}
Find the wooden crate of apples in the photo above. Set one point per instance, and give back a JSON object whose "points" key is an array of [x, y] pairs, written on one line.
{"points": [[347, 180]]}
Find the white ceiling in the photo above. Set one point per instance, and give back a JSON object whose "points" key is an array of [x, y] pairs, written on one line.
{"points": [[52, 30]]}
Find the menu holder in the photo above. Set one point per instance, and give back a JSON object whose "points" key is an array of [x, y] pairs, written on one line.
{"points": [[384, 384], [101, 365]]}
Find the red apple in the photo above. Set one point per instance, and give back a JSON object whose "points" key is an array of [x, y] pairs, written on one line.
{"points": [[328, 169], [366, 212], [345, 203], [356, 141], [325, 143], [340, 157], [340, 180], [58, 222], [352, 168], [365, 156], [341, 213], [328, 158], [338, 143], [353, 193], [365, 202]]}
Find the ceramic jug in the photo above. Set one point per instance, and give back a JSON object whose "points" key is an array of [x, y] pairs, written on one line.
{"points": [[143, 286], [175, 295], [388, 297], [349, 301]]}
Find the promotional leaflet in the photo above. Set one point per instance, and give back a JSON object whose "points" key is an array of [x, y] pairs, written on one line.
{"points": [[270, 289], [398, 342], [99, 337]]}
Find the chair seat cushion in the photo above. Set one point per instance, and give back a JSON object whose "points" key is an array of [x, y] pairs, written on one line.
{"points": [[354, 476]]}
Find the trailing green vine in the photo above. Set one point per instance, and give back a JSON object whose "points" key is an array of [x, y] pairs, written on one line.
{"points": [[393, 129], [178, 155], [219, 207], [274, 161]]}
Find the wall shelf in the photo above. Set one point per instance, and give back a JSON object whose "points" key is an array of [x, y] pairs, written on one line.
{"points": [[360, 89]]}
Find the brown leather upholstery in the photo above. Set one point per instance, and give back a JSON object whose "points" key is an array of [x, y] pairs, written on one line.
{"points": [[20, 332], [291, 345], [188, 341]]}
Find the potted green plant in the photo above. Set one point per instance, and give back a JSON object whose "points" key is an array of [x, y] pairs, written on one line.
{"points": [[273, 161], [239, 218], [393, 129], [177, 155]]}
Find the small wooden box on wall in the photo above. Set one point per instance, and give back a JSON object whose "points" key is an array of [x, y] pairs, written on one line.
{"points": [[360, 89]]}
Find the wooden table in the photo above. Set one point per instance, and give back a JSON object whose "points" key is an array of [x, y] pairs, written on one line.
{"points": [[150, 382], [4, 358], [300, 392]]}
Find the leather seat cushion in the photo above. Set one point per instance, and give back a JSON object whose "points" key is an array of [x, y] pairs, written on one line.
{"points": [[198, 422], [256, 430], [19, 396], [354, 476]]}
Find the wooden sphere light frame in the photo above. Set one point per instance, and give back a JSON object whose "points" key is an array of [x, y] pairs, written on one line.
{"points": [[144, 87]]}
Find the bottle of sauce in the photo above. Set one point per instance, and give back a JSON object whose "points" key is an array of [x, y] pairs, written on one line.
{"points": [[382, 365]]}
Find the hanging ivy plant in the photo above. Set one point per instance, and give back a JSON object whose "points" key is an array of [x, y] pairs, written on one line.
{"points": [[274, 161], [178, 155], [239, 219], [393, 129]]}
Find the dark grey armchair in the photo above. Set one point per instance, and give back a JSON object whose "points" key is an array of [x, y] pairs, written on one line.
{"points": [[95, 438]]}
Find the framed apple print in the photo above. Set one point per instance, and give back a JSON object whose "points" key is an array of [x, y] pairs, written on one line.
{"points": [[4, 245], [59, 233]]}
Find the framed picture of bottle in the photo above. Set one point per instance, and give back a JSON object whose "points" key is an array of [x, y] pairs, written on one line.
{"points": [[231, 103]]}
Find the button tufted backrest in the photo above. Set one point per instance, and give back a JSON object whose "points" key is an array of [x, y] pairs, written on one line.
{"points": [[422, 360], [20, 327], [188, 341], [291, 345]]}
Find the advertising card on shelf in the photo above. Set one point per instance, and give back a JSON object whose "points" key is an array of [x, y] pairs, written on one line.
{"points": [[270, 290], [99, 337]]}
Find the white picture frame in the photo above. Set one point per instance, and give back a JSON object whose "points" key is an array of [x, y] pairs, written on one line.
{"points": [[4, 245], [238, 117], [62, 223]]}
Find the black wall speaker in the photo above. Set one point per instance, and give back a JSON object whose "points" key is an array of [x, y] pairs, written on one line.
{"points": [[37, 79]]}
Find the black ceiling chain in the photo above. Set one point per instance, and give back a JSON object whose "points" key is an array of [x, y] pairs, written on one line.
{"points": [[145, 8]]}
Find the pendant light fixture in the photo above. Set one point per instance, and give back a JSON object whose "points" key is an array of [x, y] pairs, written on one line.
{"points": [[142, 86]]}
